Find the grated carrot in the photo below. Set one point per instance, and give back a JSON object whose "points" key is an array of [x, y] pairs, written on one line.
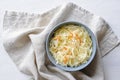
{"points": [[57, 38], [65, 48], [78, 38], [65, 59], [69, 53]]}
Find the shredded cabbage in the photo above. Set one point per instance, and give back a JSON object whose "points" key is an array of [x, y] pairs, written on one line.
{"points": [[71, 45]]}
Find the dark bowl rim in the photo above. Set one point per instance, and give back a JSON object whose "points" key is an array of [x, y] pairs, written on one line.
{"points": [[80, 67]]}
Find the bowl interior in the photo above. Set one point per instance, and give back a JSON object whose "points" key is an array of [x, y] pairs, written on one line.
{"points": [[71, 68]]}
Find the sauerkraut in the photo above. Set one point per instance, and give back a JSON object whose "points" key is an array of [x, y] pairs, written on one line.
{"points": [[71, 45]]}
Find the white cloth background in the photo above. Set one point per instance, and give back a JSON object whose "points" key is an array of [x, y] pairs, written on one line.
{"points": [[24, 39]]}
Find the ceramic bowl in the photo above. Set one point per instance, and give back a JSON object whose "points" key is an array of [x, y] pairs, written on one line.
{"points": [[51, 58]]}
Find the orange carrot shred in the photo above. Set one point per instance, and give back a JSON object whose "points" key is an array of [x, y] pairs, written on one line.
{"points": [[57, 38], [65, 59], [64, 48]]}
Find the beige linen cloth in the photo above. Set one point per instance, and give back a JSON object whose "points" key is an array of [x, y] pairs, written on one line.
{"points": [[25, 35]]}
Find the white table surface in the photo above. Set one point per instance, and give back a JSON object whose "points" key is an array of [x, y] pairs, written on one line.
{"points": [[108, 9]]}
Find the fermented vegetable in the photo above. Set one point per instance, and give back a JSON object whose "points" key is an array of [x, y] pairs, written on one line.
{"points": [[71, 45]]}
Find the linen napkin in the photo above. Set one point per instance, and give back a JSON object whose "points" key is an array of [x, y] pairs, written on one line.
{"points": [[25, 35]]}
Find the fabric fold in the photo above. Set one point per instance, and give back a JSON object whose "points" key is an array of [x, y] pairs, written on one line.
{"points": [[25, 35]]}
